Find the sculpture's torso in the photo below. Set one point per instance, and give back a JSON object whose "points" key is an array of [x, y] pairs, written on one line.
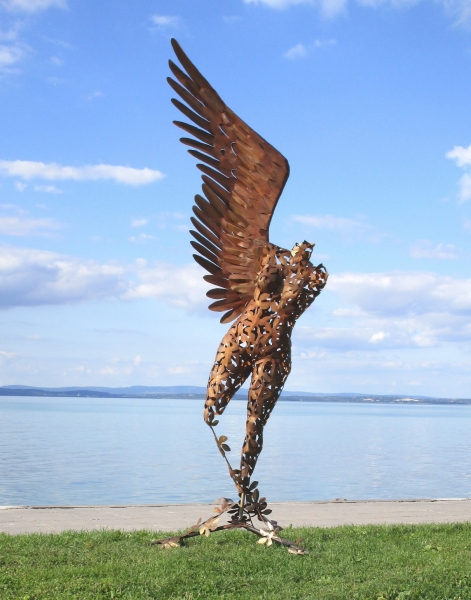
{"points": [[283, 292]]}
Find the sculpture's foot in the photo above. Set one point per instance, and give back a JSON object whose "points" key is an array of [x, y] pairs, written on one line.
{"points": [[268, 534]]}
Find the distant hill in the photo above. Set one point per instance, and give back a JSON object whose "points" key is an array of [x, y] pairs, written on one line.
{"points": [[144, 389], [134, 389], [180, 392]]}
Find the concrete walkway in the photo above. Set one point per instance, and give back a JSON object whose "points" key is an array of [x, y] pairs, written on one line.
{"points": [[168, 517]]}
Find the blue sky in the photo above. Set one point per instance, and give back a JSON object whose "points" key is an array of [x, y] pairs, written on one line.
{"points": [[368, 100]]}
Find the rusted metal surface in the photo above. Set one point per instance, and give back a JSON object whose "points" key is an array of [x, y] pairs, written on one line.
{"points": [[264, 287], [268, 534]]}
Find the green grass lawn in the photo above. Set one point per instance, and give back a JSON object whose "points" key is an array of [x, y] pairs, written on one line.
{"points": [[430, 562]]}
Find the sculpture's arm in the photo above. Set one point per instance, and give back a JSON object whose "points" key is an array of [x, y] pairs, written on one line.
{"points": [[313, 285], [302, 285]]}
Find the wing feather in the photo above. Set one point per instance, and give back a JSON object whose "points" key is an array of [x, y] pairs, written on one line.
{"points": [[206, 232], [205, 252], [217, 280], [206, 264], [243, 177], [207, 159], [203, 123], [202, 240]]}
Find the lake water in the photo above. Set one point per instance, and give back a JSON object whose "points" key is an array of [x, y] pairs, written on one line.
{"points": [[76, 451]]}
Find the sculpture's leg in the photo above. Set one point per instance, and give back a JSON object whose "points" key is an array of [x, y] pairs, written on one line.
{"points": [[231, 369], [268, 378]]}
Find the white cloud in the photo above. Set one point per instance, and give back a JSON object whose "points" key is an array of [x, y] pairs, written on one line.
{"points": [[172, 220], [60, 43], [329, 8], [6, 357], [465, 188], [332, 8], [178, 286], [315, 355], [394, 3], [369, 334], [460, 10], [20, 187], [21, 226], [55, 81], [48, 189], [139, 222], [142, 238], [116, 371], [137, 361], [404, 293], [10, 35], [393, 311], [334, 338], [462, 157], [299, 51], [31, 6], [27, 169], [348, 312], [330, 222], [426, 249], [278, 3], [34, 277], [378, 337], [10, 55], [56, 61], [387, 332], [165, 21], [323, 43], [95, 94], [178, 370], [379, 311]]}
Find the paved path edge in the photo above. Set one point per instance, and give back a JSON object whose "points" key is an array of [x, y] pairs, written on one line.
{"points": [[176, 517]]}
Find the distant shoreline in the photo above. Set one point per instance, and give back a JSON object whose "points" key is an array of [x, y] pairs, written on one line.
{"points": [[19, 391]]}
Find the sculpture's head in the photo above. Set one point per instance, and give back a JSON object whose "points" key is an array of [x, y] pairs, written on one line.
{"points": [[301, 252]]}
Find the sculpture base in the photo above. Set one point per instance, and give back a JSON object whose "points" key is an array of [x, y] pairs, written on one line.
{"points": [[268, 534]]}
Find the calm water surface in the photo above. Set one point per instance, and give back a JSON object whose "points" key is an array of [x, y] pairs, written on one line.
{"points": [[74, 451]]}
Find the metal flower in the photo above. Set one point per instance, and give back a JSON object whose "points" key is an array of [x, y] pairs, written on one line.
{"points": [[268, 537], [208, 526]]}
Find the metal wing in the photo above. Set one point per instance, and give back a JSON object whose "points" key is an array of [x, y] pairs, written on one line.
{"points": [[243, 177]]}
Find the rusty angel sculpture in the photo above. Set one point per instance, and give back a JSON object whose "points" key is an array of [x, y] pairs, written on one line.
{"points": [[263, 287]]}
